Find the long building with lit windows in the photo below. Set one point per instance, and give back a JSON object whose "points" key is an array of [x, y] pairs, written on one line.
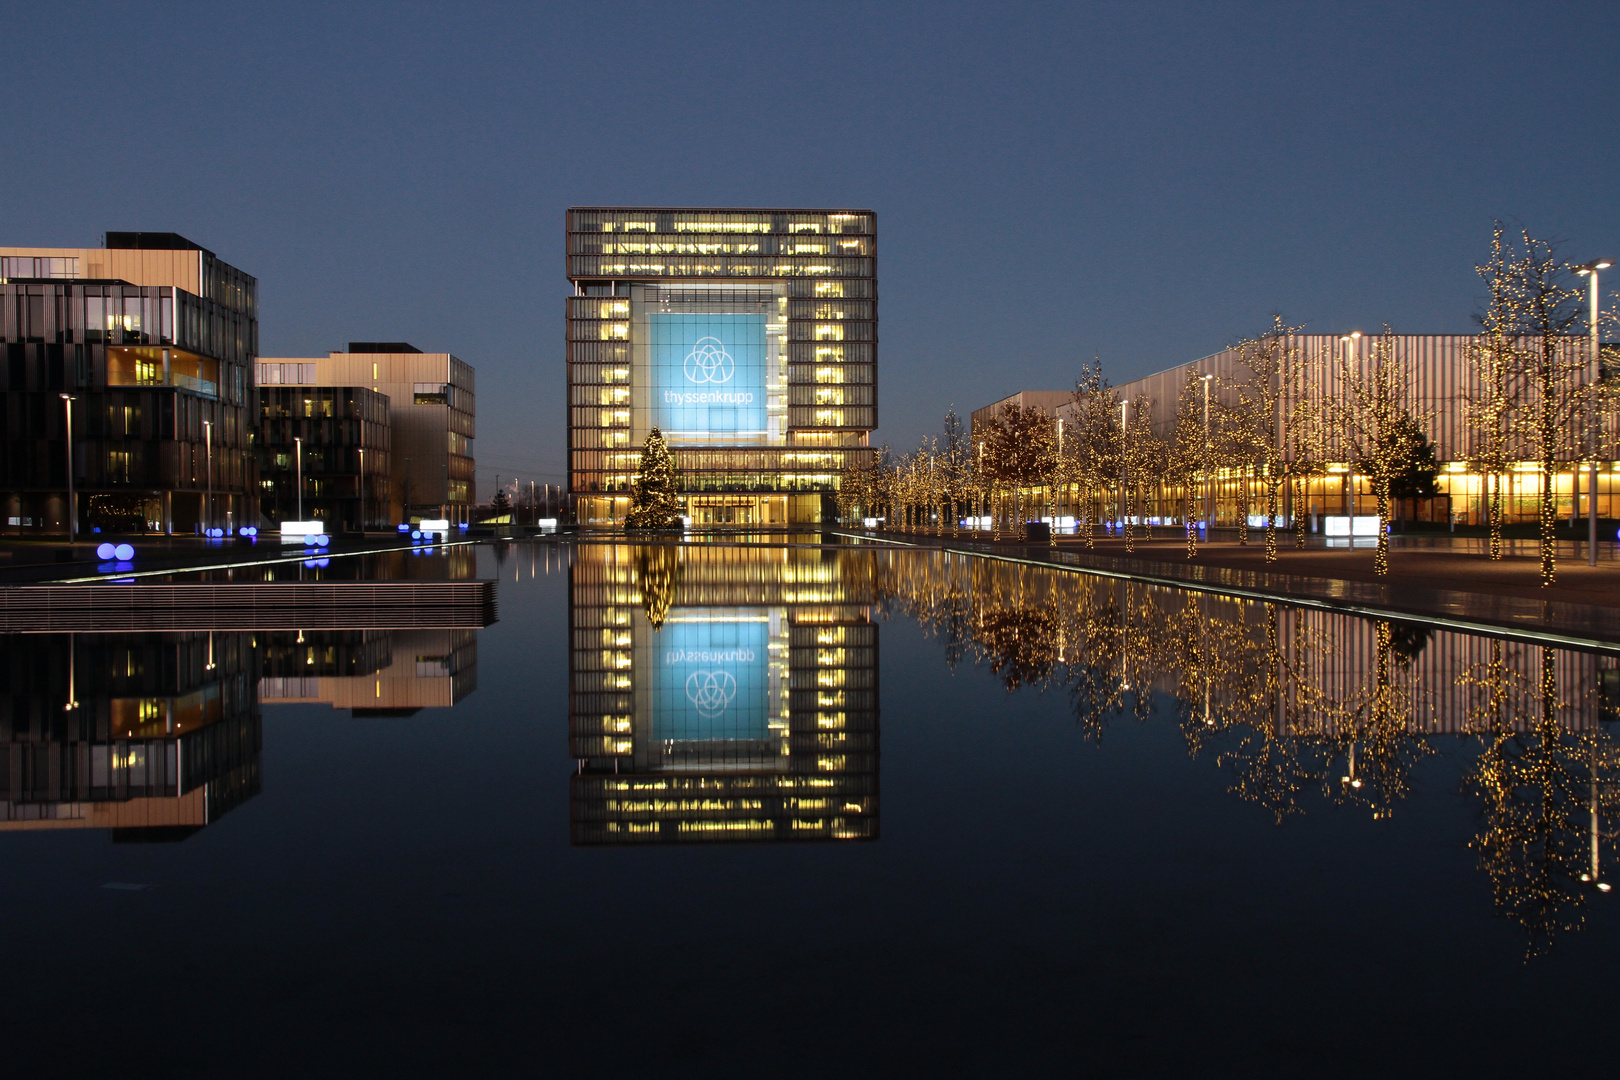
{"points": [[748, 337], [1438, 382]]}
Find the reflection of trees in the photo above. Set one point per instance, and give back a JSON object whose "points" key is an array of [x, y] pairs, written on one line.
{"points": [[1543, 790], [1290, 701]]}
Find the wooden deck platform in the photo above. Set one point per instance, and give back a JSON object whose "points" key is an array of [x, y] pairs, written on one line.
{"points": [[292, 605]]}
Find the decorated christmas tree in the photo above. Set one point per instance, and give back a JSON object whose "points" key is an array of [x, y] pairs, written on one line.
{"points": [[653, 502]]}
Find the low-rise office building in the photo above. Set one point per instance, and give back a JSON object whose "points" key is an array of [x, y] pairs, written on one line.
{"points": [[145, 347], [324, 456], [431, 416]]}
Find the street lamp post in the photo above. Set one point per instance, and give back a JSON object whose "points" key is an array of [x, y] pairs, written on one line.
{"points": [[1123, 476], [298, 471], [1590, 272], [72, 514], [1350, 340], [362, 492], [1209, 507], [208, 442]]}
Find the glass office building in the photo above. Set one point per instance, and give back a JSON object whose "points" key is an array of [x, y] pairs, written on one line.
{"points": [[153, 339], [748, 337]]}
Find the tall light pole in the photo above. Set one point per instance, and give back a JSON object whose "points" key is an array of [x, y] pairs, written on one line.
{"points": [[298, 466], [208, 442], [1209, 511], [362, 492], [72, 510], [1123, 439], [1590, 272], [1350, 476]]}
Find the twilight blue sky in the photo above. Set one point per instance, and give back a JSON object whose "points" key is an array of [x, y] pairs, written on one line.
{"points": [[1135, 181]]}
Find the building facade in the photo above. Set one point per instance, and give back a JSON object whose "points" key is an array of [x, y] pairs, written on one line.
{"points": [[149, 343], [432, 415], [334, 441], [748, 337], [1438, 380], [1046, 402]]}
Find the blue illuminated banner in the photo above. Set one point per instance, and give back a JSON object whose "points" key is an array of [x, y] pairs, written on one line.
{"points": [[708, 373], [711, 680]]}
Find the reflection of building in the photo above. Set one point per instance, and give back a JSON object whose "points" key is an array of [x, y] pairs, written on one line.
{"points": [[154, 337], [343, 434], [1298, 671], [151, 735], [431, 416], [749, 337], [722, 694], [369, 672]]}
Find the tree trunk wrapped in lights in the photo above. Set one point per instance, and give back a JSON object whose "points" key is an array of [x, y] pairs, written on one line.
{"points": [[1184, 458], [1093, 436], [1265, 402], [1531, 389], [1020, 449], [1376, 425], [1494, 394]]}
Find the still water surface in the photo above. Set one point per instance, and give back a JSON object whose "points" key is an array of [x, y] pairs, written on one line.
{"points": [[715, 809]]}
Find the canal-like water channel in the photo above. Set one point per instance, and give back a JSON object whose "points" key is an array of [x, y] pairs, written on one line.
{"points": [[807, 809]]}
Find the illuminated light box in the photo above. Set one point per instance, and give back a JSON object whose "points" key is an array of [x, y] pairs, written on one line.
{"points": [[295, 531], [707, 374], [1341, 525], [711, 680]]}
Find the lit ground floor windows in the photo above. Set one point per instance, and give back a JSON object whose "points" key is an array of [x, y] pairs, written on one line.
{"points": [[719, 509], [1233, 495]]}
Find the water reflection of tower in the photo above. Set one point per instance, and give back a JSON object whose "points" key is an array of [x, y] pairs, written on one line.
{"points": [[150, 735], [722, 693]]}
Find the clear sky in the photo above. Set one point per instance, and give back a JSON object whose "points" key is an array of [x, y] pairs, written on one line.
{"points": [[1135, 181]]}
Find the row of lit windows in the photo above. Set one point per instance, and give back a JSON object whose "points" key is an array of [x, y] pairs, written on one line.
{"points": [[832, 395], [591, 330], [712, 482], [652, 244], [618, 375], [618, 308], [748, 222], [736, 266], [798, 353], [832, 331]]}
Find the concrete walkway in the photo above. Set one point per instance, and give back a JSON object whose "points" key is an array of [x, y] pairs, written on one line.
{"points": [[1437, 584]]}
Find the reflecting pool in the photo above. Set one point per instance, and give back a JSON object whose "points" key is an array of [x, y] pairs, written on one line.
{"points": [[721, 807]]}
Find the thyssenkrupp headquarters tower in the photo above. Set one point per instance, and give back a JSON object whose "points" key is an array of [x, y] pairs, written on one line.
{"points": [[749, 337]]}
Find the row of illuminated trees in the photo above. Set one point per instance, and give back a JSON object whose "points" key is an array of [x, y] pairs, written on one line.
{"points": [[1300, 706], [1278, 419]]}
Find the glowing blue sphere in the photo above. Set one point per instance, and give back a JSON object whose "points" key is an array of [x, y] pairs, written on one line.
{"points": [[105, 551], [124, 552]]}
